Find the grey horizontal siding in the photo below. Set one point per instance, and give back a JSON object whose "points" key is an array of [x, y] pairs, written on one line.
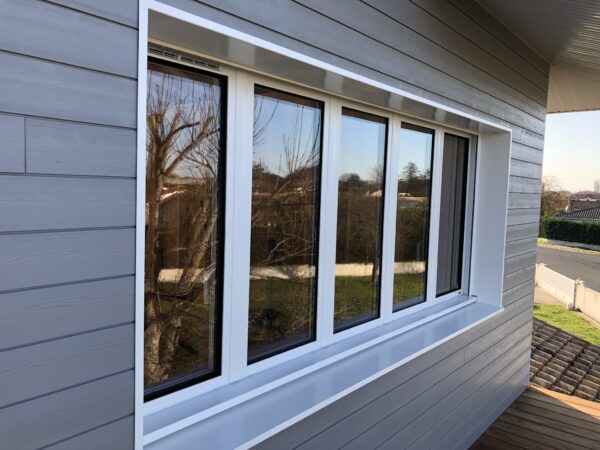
{"points": [[116, 435], [519, 262], [395, 30], [68, 73], [52, 366], [477, 33], [42, 259], [121, 11], [333, 42], [12, 144], [49, 31], [518, 247], [52, 418], [32, 316], [349, 417], [46, 203], [57, 147], [404, 404], [65, 92], [520, 291], [521, 231], [420, 433], [478, 15], [523, 216]]}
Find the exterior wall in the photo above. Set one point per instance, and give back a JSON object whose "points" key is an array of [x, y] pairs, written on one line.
{"points": [[67, 176], [68, 85], [455, 53]]}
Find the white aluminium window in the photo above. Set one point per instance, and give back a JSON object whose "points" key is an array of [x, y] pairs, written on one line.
{"points": [[281, 219]]}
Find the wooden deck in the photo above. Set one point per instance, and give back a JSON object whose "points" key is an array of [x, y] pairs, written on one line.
{"points": [[544, 419]]}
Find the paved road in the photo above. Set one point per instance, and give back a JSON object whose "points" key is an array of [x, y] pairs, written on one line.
{"points": [[572, 264]]}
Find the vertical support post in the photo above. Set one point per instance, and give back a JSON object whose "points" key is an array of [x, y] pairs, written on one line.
{"points": [[539, 273], [578, 293]]}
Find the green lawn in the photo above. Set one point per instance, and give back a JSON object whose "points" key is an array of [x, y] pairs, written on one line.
{"points": [[568, 321]]}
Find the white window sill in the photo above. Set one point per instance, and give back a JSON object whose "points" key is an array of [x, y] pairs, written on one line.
{"points": [[260, 405]]}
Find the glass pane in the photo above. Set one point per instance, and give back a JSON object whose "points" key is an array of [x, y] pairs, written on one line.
{"points": [[184, 198], [358, 245], [452, 214], [412, 217], [285, 202]]}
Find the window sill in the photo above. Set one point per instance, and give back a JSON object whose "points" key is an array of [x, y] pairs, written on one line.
{"points": [[308, 383]]}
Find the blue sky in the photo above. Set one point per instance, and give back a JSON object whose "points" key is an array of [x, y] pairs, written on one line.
{"points": [[572, 149]]}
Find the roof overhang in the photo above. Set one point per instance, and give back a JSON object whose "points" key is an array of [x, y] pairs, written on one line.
{"points": [[566, 34]]}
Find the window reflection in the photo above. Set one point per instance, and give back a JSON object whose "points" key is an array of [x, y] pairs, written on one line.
{"points": [[359, 218], [452, 214], [412, 217], [285, 202], [184, 198]]}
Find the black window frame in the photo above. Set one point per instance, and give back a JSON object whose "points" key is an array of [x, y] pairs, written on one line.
{"points": [[356, 113], [413, 302], [317, 224], [192, 379]]}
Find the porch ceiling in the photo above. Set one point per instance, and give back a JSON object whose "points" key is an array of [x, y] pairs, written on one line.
{"points": [[566, 33]]}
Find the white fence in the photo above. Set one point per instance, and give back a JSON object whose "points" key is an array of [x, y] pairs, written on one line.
{"points": [[571, 293]]}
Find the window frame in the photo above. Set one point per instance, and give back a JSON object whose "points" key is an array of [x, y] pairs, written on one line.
{"points": [[192, 379], [236, 259]]}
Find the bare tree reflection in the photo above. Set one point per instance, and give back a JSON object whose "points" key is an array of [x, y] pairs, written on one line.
{"points": [[284, 207], [182, 207]]}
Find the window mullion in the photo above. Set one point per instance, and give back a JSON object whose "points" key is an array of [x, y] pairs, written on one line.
{"points": [[434, 228], [329, 199], [392, 170], [242, 209]]}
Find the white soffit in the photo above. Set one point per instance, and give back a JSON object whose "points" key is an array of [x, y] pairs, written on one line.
{"points": [[566, 33], [223, 45]]}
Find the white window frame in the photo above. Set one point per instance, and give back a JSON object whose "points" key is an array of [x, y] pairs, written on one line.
{"points": [[239, 150], [239, 162]]}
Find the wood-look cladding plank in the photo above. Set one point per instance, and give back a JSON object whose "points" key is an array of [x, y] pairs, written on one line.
{"points": [[494, 371], [40, 369], [518, 232], [525, 185], [395, 29], [479, 15], [117, 435], [52, 418], [12, 143], [122, 11], [525, 169], [480, 415], [471, 432], [520, 292], [519, 262], [57, 147], [51, 203], [521, 276], [374, 423], [476, 33], [523, 200], [468, 343], [40, 259], [37, 315], [523, 216], [526, 153], [48, 89], [317, 35], [60, 34], [461, 51], [518, 247]]}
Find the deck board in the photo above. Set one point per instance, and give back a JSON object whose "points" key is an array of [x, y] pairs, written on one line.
{"points": [[544, 419]]}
